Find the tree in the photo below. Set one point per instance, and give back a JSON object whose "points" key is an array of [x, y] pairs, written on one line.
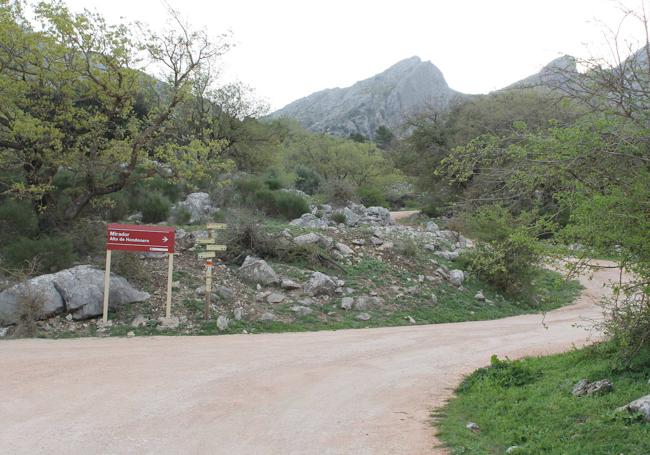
{"points": [[75, 98]]}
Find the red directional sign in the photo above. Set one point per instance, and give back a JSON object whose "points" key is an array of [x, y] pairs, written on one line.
{"points": [[135, 237]]}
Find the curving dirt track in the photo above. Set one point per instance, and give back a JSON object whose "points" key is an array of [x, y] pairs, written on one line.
{"points": [[347, 392]]}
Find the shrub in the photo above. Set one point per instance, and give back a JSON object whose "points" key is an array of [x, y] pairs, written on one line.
{"points": [[88, 236], [17, 219], [248, 186], [502, 373], [290, 205], [372, 196], [118, 206], [307, 180], [50, 253], [129, 266], [273, 182], [181, 215], [155, 208], [339, 191], [339, 217], [407, 247], [432, 211]]}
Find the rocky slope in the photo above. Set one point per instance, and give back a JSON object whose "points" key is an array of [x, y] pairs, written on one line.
{"points": [[387, 99], [555, 74]]}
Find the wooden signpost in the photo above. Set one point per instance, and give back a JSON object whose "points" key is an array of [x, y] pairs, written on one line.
{"points": [[210, 253], [139, 238]]}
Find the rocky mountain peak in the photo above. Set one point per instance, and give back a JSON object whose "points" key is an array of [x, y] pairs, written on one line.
{"points": [[408, 87]]}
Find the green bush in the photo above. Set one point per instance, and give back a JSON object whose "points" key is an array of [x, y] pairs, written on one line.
{"points": [[247, 187], [155, 208], [339, 217], [507, 252], [17, 219], [307, 180], [372, 197], [181, 216], [88, 236], [339, 191], [502, 373], [290, 205], [50, 253], [273, 182], [432, 211], [118, 206]]}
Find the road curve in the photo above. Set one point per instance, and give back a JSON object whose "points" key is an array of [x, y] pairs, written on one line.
{"points": [[367, 391]]}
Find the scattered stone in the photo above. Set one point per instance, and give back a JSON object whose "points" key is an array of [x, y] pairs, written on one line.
{"points": [[410, 319], [386, 246], [223, 292], [289, 284], [362, 317], [257, 271], [238, 313], [135, 218], [584, 387], [222, 323], [434, 299], [130, 334], [171, 322], [198, 205], [479, 296], [320, 284], [138, 321], [431, 227], [68, 317], [513, 449], [268, 317], [448, 255], [309, 220], [431, 247], [346, 303], [275, 297], [472, 426], [344, 249], [306, 301], [312, 238], [300, 310], [376, 241], [358, 242], [456, 277], [365, 301], [641, 405]]}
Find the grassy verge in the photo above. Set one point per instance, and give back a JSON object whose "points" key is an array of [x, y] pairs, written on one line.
{"points": [[529, 404]]}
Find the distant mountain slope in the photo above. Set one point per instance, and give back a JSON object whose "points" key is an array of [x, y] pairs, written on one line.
{"points": [[554, 75], [409, 87]]}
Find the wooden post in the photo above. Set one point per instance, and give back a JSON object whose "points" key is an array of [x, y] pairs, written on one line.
{"points": [[107, 283], [208, 289], [170, 270]]}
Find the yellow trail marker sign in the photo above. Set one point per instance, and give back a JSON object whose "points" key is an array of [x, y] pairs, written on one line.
{"points": [[205, 241], [216, 226], [207, 254], [216, 247]]}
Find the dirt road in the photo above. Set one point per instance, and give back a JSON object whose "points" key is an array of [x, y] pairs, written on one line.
{"points": [[402, 214], [347, 392]]}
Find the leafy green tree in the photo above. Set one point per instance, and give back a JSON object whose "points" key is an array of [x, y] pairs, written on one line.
{"points": [[76, 100]]}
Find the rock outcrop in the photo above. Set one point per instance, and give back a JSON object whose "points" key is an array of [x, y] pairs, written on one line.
{"points": [[409, 87], [78, 291]]}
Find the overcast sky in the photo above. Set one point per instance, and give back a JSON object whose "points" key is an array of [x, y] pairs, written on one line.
{"points": [[287, 49]]}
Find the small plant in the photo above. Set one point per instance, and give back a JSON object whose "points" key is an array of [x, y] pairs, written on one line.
{"points": [[502, 373], [17, 219], [181, 215], [129, 266], [339, 217], [407, 247], [155, 208], [290, 205]]}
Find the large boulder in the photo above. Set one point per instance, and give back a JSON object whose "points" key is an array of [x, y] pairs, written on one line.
{"points": [[378, 215], [309, 220], [39, 292], [257, 271], [320, 284], [313, 238], [82, 290], [198, 205], [79, 291], [456, 277], [641, 405]]}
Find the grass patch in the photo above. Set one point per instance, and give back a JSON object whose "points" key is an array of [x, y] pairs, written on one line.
{"points": [[529, 404]]}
